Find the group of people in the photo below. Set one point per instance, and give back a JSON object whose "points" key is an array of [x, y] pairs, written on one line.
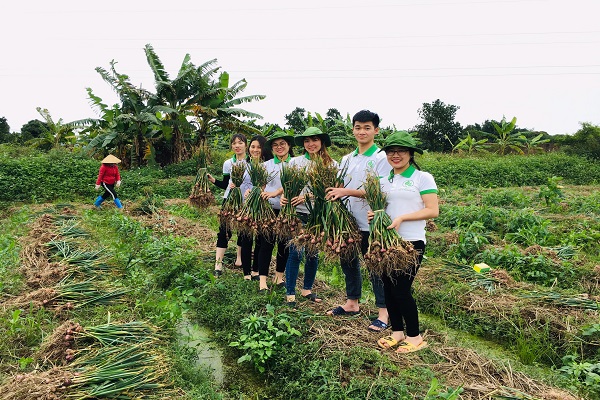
{"points": [[412, 199]]}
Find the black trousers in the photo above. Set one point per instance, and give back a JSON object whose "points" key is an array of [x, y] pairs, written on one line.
{"points": [[399, 300]]}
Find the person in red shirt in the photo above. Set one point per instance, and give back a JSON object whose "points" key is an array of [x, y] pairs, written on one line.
{"points": [[109, 178]]}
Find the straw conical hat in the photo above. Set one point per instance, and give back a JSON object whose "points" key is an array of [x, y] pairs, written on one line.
{"points": [[110, 159]]}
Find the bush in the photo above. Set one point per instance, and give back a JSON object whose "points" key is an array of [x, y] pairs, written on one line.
{"points": [[510, 170]]}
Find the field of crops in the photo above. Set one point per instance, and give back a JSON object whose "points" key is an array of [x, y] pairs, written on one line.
{"points": [[92, 300]]}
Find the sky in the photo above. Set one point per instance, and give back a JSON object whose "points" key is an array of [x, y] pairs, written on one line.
{"points": [[536, 60]]}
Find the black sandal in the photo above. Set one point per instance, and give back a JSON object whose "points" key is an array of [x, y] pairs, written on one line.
{"points": [[313, 297]]}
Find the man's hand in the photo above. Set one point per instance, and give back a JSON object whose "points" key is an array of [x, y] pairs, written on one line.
{"points": [[118, 184], [97, 187]]}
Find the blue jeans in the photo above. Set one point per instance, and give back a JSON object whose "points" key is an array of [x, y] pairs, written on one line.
{"points": [[293, 266], [353, 277]]}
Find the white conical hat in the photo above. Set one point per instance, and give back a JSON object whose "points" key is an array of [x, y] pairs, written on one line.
{"points": [[110, 159]]}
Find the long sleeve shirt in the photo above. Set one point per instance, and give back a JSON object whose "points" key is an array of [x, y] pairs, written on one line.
{"points": [[108, 174]]}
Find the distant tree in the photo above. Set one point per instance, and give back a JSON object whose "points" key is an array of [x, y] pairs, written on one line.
{"points": [[471, 145], [57, 133], [297, 120], [5, 136], [585, 142], [438, 131], [507, 138], [31, 130]]}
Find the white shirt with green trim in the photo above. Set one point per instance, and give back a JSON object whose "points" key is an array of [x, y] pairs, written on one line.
{"points": [[246, 183], [358, 165], [404, 193], [273, 168]]}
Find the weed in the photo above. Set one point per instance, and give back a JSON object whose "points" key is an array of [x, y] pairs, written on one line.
{"points": [[435, 392], [551, 192], [263, 336]]}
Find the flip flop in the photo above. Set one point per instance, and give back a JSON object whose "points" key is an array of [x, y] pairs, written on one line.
{"points": [[313, 297], [387, 342], [339, 310], [408, 347], [378, 324]]}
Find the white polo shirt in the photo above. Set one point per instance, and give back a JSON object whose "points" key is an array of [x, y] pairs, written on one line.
{"points": [[273, 168], [246, 183], [404, 193], [358, 165]]}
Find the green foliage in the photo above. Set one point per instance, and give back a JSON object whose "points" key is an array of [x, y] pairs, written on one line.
{"points": [[261, 337], [551, 192], [506, 198], [508, 171], [470, 242], [438, 130], [585, 142], [535, 268], [582, 373], [435, 392]]}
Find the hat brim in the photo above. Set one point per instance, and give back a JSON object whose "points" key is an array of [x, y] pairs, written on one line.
{"points": [[416, 149], [325, 139], [288, 139], [110, 159]]}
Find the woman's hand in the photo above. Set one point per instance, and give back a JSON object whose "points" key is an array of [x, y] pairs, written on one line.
{"points": [[335, 193], [97, 187], [269, 195], [118, 184], [370, 215], [296, 201], [246, 193], [283, 201], [231, 185], [396, 223], [210, 178]]}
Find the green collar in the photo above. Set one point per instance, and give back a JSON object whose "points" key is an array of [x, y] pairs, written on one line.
{"points": [[307, 155], [370, 151], [276, 159], [406, 174]]}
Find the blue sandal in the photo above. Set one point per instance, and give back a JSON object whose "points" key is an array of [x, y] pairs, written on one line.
{"points": [[378, 324]]}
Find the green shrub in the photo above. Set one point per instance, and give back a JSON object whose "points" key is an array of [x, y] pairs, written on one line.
{"points": [[263, 336], [510, 170], [506, 198]]}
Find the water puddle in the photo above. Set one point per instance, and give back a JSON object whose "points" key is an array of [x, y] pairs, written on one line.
{"points": [[198, 338]]}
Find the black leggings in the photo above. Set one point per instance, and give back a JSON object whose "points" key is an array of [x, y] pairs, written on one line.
{"points": [[109, 191], [266, 252], [400, 303], [245, 242]]}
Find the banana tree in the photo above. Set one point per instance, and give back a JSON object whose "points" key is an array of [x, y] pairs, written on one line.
{"points": [[217, 109], [470, 145], [534, 144], [505, 137], [57, 132]]}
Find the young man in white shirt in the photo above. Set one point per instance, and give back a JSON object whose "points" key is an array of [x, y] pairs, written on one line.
{"points": [[366, 158]]}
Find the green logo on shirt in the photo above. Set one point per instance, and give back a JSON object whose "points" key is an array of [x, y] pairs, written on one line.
{"points": [[371, 164], [409, 183]]}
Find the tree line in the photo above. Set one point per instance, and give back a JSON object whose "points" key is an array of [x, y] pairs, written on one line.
{"points": [[200, 108]]}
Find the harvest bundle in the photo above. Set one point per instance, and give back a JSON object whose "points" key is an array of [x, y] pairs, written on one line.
{"points": [[388, 252], [201, 195], [257, 215], [293, 179], [234, 201], [330, 226]]}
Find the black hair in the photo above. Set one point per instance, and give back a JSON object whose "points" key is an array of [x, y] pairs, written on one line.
{"points": [[366, 116], [266, 152], [412, 159], [240, 136]]}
